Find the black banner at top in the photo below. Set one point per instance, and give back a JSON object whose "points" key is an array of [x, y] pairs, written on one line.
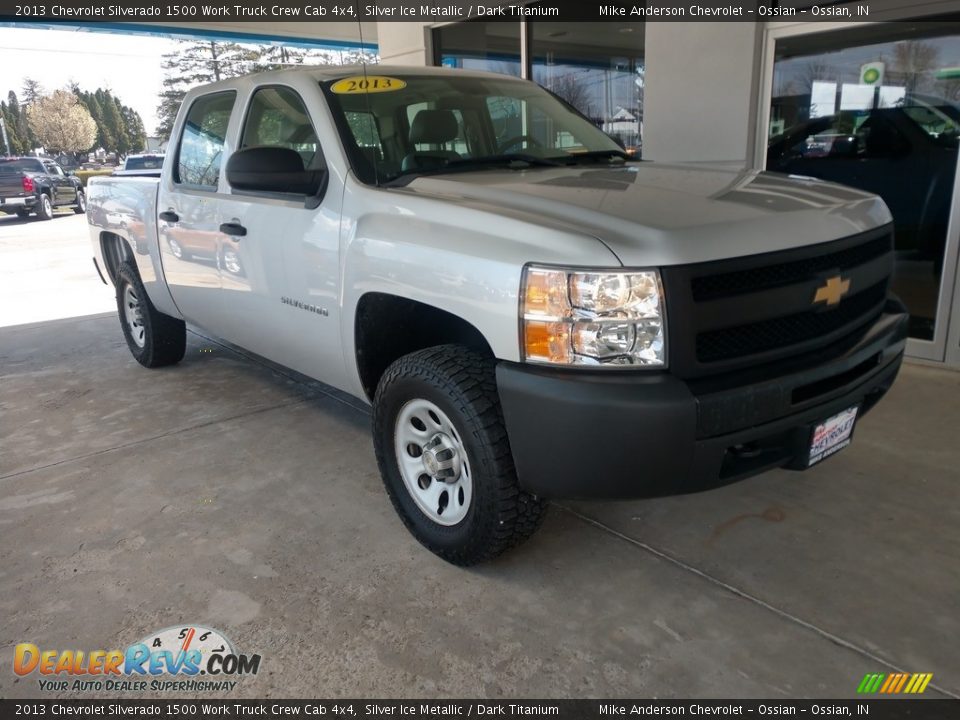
{"points": [[353, 709], [194, 11]]}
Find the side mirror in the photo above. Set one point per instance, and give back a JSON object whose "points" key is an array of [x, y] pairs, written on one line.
{"points": [[273, 169]]}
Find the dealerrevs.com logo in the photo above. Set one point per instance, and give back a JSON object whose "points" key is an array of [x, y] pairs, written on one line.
{"points": [[174, 658]]}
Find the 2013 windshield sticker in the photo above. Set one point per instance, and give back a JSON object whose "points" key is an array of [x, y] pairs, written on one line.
{"points": [[167, 660], [359, 84]]}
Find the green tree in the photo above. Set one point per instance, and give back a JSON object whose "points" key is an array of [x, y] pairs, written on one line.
{"points": [[197, 62], [136, 135], [32, 91], [15, 146], [17, 125]]}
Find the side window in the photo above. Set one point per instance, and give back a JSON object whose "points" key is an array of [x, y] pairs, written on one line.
{"points": [[201, 144], [52, 169], [277, 117]]}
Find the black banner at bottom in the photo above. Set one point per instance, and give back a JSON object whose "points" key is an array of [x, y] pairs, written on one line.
{"points": [[874, 709]]}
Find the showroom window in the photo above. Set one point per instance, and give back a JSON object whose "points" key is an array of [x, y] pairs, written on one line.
{"points": [[479, 45], [878, 107], [598, 68]]}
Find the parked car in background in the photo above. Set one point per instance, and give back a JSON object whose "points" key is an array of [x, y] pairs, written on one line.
{"points": [[142, 165], [874, 150], [38, 185]]}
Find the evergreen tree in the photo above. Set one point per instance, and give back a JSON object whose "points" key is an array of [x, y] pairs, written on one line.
{"points": [[16, 145], [197, 62], [136, 135], [32, 91], [17, 125], [113, 125]]}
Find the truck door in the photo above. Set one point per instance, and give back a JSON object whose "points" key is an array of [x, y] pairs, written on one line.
{"points": [[63, 190], [187, 206], [279, 265]]}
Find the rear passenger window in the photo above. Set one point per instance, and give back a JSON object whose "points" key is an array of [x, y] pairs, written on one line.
{"points": [[278, 118], [201, 144]]}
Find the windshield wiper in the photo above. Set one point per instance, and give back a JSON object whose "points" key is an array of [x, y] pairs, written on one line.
{"points": [[511, 161], [593, 155]]}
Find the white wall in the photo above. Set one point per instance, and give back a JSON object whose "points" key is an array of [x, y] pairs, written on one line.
{"points": [[333, 31], [700, 93], [403, 43]]}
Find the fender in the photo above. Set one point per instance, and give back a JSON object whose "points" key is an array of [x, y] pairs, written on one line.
{"points": [[463, 260]]}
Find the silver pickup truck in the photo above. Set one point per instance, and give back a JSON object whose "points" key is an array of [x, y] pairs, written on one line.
{"points": [[531, 313]]}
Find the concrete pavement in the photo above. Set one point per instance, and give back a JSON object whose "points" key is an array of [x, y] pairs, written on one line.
{"points": [[223, 492]]}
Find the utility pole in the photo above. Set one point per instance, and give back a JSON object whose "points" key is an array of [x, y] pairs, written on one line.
{"points": [[6, 140]]}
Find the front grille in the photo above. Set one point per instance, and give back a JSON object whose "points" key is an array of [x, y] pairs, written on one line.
{"points": [[776, 333], [735, 314], [712, 287]]}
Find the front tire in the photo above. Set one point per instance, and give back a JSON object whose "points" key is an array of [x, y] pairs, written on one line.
{"points": [[154, 339], [45, 208], [81, 207], [445, 459]]}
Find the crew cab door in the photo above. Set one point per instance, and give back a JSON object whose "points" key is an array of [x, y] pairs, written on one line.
{"points": [[188, 208], [63, 190], [279, 266]]}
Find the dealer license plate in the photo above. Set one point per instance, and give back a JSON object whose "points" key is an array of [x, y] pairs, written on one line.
{"points": [[832, 435]]}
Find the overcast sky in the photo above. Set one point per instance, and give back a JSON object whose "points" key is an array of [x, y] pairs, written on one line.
{"points": [[129, 65]]}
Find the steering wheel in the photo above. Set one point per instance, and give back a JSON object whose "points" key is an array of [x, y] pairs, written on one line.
{"points": [[516, 140]]}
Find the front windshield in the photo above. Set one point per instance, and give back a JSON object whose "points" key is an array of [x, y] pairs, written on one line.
{"points": [[408, 125]]}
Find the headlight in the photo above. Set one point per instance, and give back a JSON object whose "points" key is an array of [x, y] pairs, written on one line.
{"points": [[595, 318]]}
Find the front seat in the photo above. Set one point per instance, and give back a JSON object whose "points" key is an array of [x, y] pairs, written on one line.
{"points": [[431, 127]]}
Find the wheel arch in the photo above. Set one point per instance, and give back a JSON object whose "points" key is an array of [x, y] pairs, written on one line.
{"points": [[114, 249], [387, 327]]}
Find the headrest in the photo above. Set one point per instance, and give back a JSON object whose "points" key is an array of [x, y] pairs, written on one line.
{"points": [[434, 127]]}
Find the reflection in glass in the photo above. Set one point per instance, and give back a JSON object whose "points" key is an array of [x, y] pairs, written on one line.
{"points": [[877, 108], [598, 68], [479, 45]]}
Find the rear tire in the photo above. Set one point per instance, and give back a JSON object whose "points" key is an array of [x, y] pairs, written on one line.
{"points": [[154, 339], [45, 208], [441, 444], [81, 207]]}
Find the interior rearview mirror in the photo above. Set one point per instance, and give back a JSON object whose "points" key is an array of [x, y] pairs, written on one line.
{"points": [[273, 169]]}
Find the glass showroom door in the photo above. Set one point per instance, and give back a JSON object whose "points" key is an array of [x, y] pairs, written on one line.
{"points": [[878, 107]]}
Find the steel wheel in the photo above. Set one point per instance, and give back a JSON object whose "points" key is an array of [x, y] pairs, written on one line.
{"points": [[133, 315], [81, 203], [433, 462]]}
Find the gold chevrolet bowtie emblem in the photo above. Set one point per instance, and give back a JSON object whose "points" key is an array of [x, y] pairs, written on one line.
{"points": [[834, 289]]}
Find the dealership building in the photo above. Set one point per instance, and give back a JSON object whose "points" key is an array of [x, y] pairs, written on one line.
{"points": [[870, 104]]}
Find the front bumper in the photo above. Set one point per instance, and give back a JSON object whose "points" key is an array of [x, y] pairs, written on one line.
{"points": [[582, 434]]}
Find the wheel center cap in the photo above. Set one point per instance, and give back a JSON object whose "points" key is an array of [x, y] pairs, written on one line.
{"points": [[430, 462], [441, 458]]}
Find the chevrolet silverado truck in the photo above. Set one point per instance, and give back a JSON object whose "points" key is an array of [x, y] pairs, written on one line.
{"points": [[37, 185], [531, 314]]}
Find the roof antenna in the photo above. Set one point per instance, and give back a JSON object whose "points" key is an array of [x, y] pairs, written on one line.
{"points": [[366, 83]]}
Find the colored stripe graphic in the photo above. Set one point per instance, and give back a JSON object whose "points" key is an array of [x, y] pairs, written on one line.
{"points": [[894, 683], [871, 682]]}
